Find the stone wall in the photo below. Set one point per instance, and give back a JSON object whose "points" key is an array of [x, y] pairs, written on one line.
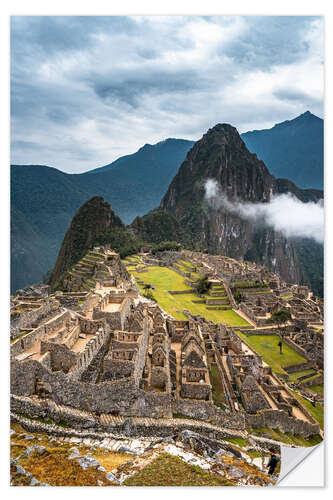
{"points": [[227, 289], [62, 357], [278, 419], [104, 397], [117, 319], [91, 349], [116, 369], [217, 301], [141, 354], [196, 391], [89, 303], [19, 345], [298, 368], [90, 325], [158, 377], [122, 396], [206, 410], [152, 404], [26, 319], [248, 311], [83, 424], [236, 343], [315, 381], [31, 338]]}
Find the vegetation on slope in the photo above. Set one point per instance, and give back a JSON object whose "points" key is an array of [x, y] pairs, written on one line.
{"points": [[94, 217], [158, 226], [311, 258], [202, 285], [121, 240]]}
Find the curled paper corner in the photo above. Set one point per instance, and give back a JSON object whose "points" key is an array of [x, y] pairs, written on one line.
{"points": [[302, 466]]}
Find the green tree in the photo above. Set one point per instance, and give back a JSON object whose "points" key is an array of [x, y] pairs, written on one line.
{"points": [[237, 295], [202, 285], [149, 295], [281, 316]]}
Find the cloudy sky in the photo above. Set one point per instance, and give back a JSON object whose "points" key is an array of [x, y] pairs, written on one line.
{"points": [[86, 90]]}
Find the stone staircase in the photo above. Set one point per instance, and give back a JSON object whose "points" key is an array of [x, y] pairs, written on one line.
{"points": [[25, 405]]}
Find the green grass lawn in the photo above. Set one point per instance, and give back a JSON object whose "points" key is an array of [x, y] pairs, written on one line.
{"points": [[186, 264], [316, 389], [164, 279], [267, 347], [237, 440], [186, 267], [217, 386], [295, 376], [242, 283]]}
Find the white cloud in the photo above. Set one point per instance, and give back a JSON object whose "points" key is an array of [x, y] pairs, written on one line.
{"points": [[285, 213]]}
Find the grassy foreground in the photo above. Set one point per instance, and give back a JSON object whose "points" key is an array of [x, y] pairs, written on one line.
{"points": [[167, 470], [53, 465]]}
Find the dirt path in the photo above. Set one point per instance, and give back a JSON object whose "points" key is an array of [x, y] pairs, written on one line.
{"points": [[269, 399], [299, 414]]}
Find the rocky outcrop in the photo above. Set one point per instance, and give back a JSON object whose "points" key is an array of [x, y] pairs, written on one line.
{"points": [[93, 218], [222, 156]]}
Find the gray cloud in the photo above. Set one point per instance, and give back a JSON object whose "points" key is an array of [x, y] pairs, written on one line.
{"points": [[85, 90], [290, 94]]}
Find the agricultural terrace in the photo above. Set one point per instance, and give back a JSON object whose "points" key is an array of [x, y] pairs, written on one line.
{"points": [[164, 279], [267, 347], [316, 389]]}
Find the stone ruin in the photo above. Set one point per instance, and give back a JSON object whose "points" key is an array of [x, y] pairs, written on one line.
{"points": [[111, 353]]}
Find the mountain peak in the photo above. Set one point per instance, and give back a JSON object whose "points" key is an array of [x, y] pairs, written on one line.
{"points": [[305, 117], [225, 128], [292, 149], [221, 155], [93, 217]]}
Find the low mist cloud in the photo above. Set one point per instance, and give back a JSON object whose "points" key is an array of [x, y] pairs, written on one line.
{"points": [[285, 212]]}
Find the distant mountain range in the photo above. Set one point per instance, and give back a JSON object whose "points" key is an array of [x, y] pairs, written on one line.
{"points": [[293, 149], [222, 157], [44, 199]]}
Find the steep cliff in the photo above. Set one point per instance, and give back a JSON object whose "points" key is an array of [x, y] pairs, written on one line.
{"points": [[240, 177], [92, 219]]}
